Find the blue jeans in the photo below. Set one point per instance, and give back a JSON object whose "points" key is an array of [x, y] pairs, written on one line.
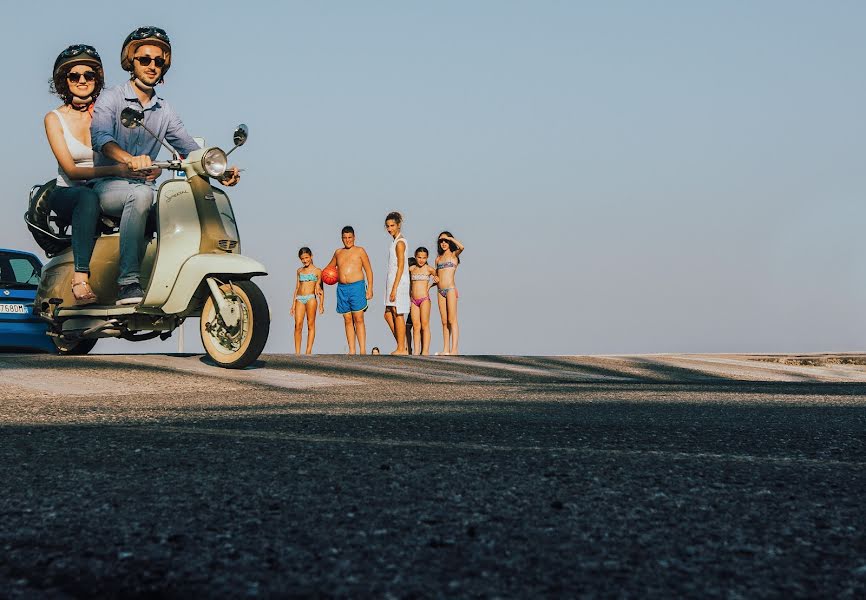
{"points": [[131, 201], [79, 206]]}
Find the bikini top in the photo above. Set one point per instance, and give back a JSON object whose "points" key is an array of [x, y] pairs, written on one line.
{"points": [[446, 265], [420, 277], [308, 277]]}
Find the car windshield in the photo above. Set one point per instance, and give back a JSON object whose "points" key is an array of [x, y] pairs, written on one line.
{"points": [[19, 271]]}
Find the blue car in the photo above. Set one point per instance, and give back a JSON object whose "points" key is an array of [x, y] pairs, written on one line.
{"points": [[19, 328]]}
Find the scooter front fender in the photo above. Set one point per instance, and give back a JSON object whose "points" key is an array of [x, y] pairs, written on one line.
{"points": [[197, 267]]}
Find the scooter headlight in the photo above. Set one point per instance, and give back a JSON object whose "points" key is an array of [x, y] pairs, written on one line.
{"points": [[214, 162]]}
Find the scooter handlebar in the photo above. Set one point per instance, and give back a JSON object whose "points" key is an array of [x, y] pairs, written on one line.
{"points": [[170, 165], [162, 164]]}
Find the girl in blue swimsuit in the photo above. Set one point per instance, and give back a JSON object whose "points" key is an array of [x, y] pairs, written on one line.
{"points": [[448, 252], [308, 296]]}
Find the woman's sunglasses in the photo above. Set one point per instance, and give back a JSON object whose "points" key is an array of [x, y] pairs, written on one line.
{"points": [[146, 60], [76, 77]]}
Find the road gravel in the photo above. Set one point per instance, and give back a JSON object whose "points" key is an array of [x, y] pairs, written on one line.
{"points": [[162, 476]]}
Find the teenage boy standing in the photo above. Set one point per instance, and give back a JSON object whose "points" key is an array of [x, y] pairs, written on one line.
{"points": [[354, 288]]}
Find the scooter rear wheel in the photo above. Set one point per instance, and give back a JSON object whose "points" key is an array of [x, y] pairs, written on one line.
{"points": [[236, 347], [76, 348]]}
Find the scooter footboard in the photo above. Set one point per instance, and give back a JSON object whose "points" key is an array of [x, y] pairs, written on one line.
{"points": [[196, 268]]}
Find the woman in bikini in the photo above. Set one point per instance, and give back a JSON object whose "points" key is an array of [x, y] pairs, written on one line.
{"points": [[448, 252], [77, 80], [308, 296], [422, 277]]}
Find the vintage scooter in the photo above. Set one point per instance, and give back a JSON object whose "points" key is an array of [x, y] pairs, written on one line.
{"points": [[191, 268]]}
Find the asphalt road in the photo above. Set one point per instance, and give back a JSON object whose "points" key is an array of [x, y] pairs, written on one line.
{"points": [[513, 477]]}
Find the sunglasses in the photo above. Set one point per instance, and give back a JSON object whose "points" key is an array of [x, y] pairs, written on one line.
{"points": [[76, 77], [77, 49], [149, 32], [146, 60]]}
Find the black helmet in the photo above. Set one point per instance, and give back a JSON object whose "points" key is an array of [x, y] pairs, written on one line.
{"points": [[147, 35], [77, 54], [51, 231], [51, 235]]}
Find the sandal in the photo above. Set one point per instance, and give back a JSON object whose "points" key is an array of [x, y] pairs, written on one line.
{"points": [[88, 297]]}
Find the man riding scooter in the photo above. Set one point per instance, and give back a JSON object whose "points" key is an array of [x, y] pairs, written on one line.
{"points": [[146, 54]]}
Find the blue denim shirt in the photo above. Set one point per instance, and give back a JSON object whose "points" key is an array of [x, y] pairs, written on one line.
{"points": [[159, 117]]}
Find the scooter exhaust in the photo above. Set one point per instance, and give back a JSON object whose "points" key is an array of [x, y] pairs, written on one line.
{"points": [[101, 327]]}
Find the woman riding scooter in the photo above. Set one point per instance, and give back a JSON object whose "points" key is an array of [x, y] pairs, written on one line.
{"points": [[77, 80]]}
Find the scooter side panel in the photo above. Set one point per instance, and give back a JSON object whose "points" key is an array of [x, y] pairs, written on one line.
{"points": [[57, 273], [56, 277], [198, 267], [179, 236], [104, 267]]}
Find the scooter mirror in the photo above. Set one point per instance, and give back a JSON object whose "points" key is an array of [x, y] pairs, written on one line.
{"points": [[241, 135], [131, 118]]}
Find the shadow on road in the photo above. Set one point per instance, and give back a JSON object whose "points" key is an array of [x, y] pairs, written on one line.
{"points": [[408, 488]]}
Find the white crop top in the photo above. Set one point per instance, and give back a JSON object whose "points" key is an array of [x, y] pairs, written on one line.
{"points": [[81, 154]]}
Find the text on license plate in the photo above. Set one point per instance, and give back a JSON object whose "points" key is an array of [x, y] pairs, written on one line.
{"points": [[15, 309]]}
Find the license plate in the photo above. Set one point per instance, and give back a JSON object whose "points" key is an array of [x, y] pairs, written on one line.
{"points": [[14, 309]]}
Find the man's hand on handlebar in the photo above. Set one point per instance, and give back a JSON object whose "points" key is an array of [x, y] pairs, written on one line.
{"points": [[230, 177], [135, 163], [121, 170]]}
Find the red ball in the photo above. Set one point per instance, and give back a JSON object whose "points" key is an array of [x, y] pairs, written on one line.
{"points": [[329, 275]]}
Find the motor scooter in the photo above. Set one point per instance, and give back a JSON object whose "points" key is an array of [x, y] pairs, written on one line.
{"points": [[192, 267]]}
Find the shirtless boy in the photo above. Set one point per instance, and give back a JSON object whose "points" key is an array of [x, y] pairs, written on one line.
{"points": [[353, 268]]}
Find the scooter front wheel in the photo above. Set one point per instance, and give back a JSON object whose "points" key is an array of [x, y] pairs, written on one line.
{"points": [[237, 346]]}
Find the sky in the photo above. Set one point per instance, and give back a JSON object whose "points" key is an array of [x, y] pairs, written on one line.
{"points": [[627, 177]]}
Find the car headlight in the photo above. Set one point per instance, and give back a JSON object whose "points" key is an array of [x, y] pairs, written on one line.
{"points": [[214, 162]]}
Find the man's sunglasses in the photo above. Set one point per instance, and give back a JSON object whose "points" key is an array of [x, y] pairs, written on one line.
{"points": [[146, 60], [76, 77], [149, 32], [80, 49]]}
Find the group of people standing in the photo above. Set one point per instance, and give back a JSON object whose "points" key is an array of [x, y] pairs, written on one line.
{"points": [[407, 291], [103, 167]]}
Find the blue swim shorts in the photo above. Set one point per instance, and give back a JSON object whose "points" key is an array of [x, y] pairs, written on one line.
{"points": [[351, 297]]}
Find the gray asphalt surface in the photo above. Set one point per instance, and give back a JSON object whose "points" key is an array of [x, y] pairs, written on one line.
{"points": [[513, 477]]}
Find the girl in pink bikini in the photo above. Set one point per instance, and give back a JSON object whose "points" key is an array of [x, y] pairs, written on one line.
{"points": [[422, 277], [448, 252]]}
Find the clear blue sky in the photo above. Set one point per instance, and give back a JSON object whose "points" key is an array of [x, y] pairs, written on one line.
{"points": [[627, 176]]}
